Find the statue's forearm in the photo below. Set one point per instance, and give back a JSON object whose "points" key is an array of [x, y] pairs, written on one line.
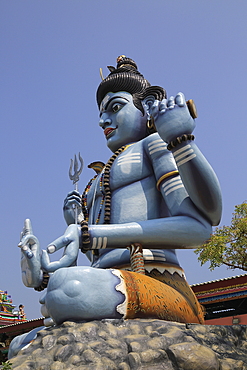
{"points": [[172, 232], [199, 180]]}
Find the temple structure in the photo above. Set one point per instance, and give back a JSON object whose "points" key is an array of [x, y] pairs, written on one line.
{"points": [[224, 300], [8, 313], [9, 317]]}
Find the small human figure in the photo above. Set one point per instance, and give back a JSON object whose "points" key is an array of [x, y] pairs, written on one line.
{"points": [[21, 312], [156, 193]]}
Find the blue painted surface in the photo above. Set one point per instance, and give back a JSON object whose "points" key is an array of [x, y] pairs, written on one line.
{"points": [[179, 214]]}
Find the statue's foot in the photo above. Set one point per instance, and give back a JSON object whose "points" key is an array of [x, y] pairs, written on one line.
{"points": [[82, 293]]}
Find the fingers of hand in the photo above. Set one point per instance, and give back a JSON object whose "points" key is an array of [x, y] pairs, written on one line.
{"points": [[154, 109], [171, 102], [27, 229], [59, 243], [51, 249], [28, 242], [163, 106], [72, 202], [73, 198], [180, 100], [27, 252], [73, 194], [45, 259]]}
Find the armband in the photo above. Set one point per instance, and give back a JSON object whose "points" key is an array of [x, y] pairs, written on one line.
{"points": [[179, 140], [169, 174]]}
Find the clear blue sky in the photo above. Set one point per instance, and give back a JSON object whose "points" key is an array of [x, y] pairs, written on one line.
{"points": [[51, 52]]}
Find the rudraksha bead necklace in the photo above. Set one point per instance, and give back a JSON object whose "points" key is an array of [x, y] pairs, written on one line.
{"points": [[105, 189], [106, 184], [106, 198]]}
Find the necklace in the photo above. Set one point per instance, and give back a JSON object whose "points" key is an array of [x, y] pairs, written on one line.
{"points": [[104, 188], [106, 198]]}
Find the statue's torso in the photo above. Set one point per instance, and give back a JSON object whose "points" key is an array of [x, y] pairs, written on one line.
{"points": [[135, 197]]}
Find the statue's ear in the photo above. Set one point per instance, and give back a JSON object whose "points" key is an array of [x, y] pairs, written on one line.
{"points": [[147, 103]]}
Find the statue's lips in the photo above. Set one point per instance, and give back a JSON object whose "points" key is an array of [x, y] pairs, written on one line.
{"points": [[108, 131]]}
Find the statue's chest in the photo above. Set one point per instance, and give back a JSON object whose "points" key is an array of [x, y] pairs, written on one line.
{"points": [[129, 167]]}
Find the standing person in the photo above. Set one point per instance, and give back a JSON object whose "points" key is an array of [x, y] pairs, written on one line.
{"points": [[21, 312]]}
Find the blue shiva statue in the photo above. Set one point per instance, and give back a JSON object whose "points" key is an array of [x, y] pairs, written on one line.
{"points": [[157, 193]]}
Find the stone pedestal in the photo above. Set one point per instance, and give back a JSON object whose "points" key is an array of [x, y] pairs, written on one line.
{"points": [[135, 344]]}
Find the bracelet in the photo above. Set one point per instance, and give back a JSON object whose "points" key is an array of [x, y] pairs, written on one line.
{"points": [[44, 282], [179, 140], [85, 237]]}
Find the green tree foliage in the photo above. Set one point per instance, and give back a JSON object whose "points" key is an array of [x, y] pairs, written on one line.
{"points": [[228, 244], [6, 365]]}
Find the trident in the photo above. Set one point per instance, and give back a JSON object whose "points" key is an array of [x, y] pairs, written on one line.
{"points": [[75, 178]]}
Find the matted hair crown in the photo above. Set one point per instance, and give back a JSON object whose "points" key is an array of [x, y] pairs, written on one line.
{"points": [[125, 77]]}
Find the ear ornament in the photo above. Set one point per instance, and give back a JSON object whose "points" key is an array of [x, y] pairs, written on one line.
{"points": [[150, 123]]}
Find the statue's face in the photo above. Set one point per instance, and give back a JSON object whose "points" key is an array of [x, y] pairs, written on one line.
{"points": [[121, 121]]}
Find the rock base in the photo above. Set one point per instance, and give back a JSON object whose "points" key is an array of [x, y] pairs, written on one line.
{"points": [[135, 344]]}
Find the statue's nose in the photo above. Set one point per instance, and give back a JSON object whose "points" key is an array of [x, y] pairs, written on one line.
{"points": [[104, 122]]}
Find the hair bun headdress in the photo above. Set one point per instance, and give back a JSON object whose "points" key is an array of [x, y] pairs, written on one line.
{"points": [[125, 77]]}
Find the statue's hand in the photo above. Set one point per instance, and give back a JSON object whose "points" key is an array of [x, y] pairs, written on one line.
{"points": [[70, 241], [72, 200], [30, 257], [172, 117]]}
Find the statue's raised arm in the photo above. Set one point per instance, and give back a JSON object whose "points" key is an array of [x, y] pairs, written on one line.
{"points": [[174, 120]]}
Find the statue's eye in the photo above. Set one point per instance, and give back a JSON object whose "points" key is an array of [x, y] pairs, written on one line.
{"points": [[116, 107]]}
